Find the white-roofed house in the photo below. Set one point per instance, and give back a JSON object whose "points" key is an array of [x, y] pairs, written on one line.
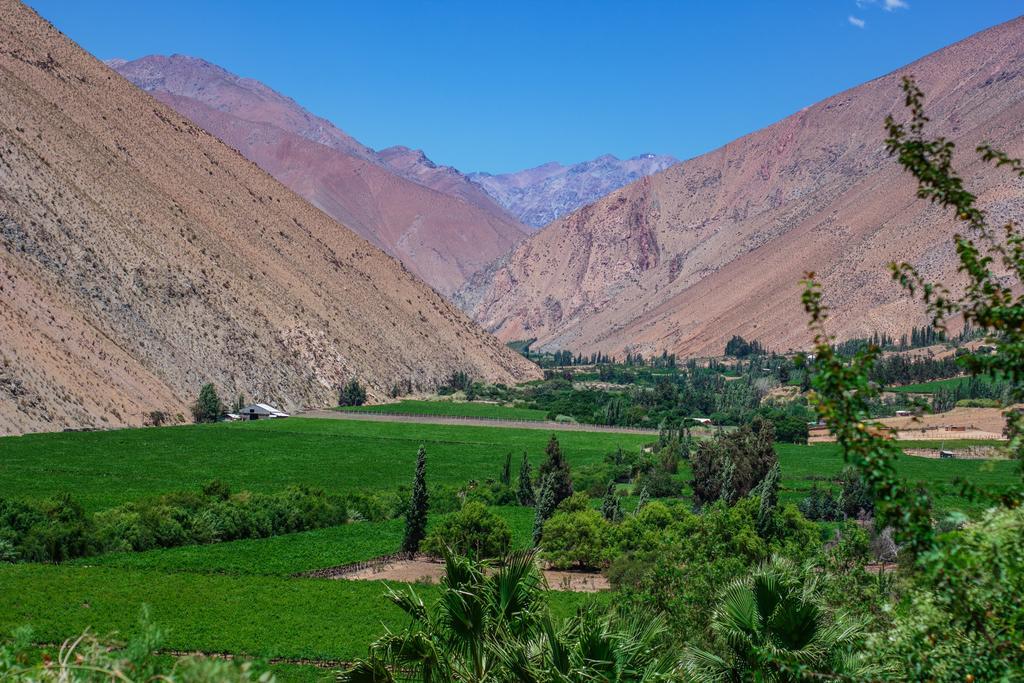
{"points": [[260, 411]]}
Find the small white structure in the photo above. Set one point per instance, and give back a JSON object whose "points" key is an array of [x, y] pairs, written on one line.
{"points": [[260, 411], [701, 420], [903, 413]]}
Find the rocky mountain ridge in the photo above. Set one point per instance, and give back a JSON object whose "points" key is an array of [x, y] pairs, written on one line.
{"points": [[539, 195], [716, 246], [439, 224]]}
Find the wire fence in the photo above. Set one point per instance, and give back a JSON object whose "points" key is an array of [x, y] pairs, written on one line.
{"points": [[576, 426], [375, 564]]}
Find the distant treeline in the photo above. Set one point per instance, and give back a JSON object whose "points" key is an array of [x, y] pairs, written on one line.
{"points": [[919, 337]]}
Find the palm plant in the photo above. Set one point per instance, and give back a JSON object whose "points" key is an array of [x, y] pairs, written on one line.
{"points": [[492, 624], [609, 647], [772, 626], [456, 639]]}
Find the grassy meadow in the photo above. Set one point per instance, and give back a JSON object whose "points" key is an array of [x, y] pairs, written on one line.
{"points": [[104, 469]]}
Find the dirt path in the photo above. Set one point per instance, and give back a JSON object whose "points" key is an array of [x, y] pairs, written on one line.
{"points": [[431, 571], [471, 421]]}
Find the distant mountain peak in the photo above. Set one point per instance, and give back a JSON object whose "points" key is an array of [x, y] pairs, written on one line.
{"points": [[544, 193]]}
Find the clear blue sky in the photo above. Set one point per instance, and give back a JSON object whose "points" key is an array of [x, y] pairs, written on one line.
{"points": [[500, 86]]}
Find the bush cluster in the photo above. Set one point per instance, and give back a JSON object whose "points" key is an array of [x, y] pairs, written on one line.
{"points": [[60, 529], [473, 530]]}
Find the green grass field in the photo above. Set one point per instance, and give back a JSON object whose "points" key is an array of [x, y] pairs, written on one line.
{"points": [[802, 466], [454, 409], [292, 553], [104, 469], [933, 386], [241, 597], [262, 616], [275, 556]]}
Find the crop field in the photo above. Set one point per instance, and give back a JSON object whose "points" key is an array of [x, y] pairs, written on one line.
{"points": [[260, 616], [454, 409], [242, 597], [934, 385], [104, 469], [803, 466]]}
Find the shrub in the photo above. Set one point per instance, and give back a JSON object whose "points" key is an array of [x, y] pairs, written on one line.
{"points": [[474, 530], [352, 394], [576, 538], [987, 579], [593, 478], [821, 506], [59, 530], [628, 571], [659, 484], [978, 403], [49, 531], [856, 499]]}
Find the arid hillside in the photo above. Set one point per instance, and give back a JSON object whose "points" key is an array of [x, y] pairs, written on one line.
{"points": [[716, 246], [141, 257], [439, 224], [539, 195]]}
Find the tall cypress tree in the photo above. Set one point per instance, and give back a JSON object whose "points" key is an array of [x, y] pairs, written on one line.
{"points": [[545, 508], [416, 514], [610, 508], [525, 494], [642, 500], [556, 468], [768, 492], [506, 470]]}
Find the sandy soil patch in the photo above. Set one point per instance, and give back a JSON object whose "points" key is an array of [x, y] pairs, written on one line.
{"points": [[989, 420], [978, 453], [959, 423], [426, 570]]}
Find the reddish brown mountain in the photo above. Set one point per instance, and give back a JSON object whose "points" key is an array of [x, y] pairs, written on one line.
{"points": [[141, 257], [716, 246], [442, 226]]}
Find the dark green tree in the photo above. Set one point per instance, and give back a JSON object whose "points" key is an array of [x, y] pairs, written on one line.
{"points": [[546, 505], [208, 407], [556, 468], [506, 470], [768, 492], [642, 500], [525, 494], [610, 507], [416, 514], [729, 466], [352, 394]]}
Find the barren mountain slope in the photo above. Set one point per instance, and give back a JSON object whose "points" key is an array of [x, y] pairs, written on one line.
{"points": [[539, 195], [141, 257], [416, 166], [716, 246], [441, 225]]}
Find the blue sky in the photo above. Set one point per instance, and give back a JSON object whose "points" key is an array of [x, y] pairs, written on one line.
{"points": [[500, 86]]}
